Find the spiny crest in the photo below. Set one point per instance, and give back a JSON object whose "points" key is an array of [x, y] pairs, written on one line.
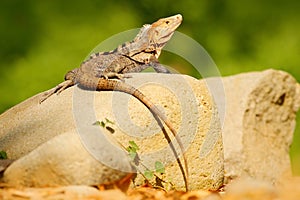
{"points": [[150, 38], [95, 55], [142, 32]]}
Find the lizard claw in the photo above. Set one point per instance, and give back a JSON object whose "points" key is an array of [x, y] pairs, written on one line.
{"points": [[104, 76], [122, 77]]}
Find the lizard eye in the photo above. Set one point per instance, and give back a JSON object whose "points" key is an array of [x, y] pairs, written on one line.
{"points": [[167, 22]]}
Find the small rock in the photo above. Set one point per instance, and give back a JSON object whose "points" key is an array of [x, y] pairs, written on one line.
{"points": [[250, 189], [68, 192]]}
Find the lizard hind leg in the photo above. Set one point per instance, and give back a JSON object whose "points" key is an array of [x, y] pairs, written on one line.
{"points": [[70, 80], [58, 89]]}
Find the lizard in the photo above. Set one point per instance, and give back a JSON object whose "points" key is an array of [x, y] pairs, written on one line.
{"points": [[107, 70]]}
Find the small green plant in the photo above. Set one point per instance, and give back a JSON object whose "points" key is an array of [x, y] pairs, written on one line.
{"points": [[148, 174], [132, 150], [100, 123], [159, 167], [3, 155], [109, 121], [154, 177], [105, 125]]}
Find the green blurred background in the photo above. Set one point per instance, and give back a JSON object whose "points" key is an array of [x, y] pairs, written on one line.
{"points": [[41, 40]]}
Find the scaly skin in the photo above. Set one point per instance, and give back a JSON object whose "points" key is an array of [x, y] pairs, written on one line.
{"points": [[97, 72]]}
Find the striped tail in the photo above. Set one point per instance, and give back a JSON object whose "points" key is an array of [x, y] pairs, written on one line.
{"points": [[108, 84]]}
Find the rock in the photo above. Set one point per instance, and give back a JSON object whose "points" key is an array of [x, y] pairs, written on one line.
{"points": [[247, 188], [52, 140], [250, 189], [259, 123], [73, 192], [157, 194], [236, 190], [289, 188], [61, 160], [4, 164]]}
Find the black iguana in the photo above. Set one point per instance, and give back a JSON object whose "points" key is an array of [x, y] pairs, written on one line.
{"points": [[107, 70]]}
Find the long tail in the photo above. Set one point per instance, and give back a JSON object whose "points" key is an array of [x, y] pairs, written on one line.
{"points": [[108, 84]]}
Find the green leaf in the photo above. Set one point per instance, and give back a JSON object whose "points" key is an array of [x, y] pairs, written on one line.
{"points": [[131, 152], [100, 123], [134, 145], [148, 174], [96, 123], [132, 155], [130, 149], [159, 167], [3, 155], [109, 121]]}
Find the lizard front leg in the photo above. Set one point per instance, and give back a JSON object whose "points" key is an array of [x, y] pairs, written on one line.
{"points": [[155, 64], [159, 68]]}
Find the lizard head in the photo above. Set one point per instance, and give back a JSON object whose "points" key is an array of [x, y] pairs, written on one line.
{"points": [[152, 38]]}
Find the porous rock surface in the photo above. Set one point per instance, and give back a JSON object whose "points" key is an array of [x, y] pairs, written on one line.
{"points": [[78, 137], [57, 142], [259, 119]]}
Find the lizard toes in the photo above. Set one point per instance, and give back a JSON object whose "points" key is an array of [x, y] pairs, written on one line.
{"points": [[123, 76]]}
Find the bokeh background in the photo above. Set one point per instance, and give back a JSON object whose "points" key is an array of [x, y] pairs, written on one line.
{"points": [[42, 40]]}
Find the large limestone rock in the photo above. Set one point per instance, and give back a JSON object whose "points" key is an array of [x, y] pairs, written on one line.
{"points": [[60, 141], [57, 143], [260, 111]]}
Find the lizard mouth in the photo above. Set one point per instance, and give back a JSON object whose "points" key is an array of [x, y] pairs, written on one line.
{"points": [[167, 36]]}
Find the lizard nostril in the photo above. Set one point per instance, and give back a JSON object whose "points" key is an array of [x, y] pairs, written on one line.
{"points": [[167, 22]]}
